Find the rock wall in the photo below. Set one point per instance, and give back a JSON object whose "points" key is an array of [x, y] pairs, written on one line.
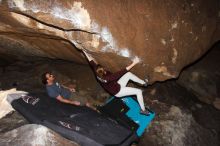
{"points": [[165, 35]]}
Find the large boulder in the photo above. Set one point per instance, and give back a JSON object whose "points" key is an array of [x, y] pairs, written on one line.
{"points": [[178, 128], [164, 35], [34, 135], [180, 118], [203, 78]]}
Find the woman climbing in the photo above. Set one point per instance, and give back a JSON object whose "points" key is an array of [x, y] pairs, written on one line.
{"points": [[115, 83]]}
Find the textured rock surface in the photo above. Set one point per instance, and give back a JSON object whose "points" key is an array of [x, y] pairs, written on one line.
{"points": [[203, 78], [165, 35], [216, 103], [11, 121], [181, 119], [178, 128], [33, 135]]}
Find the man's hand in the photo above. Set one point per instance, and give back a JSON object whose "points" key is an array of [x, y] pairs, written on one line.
{"points": [[84, 51], [61, 99], [75, 102], [72, 89]]}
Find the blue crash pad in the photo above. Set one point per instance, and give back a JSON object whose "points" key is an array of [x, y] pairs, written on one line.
{"points": [[134, 113]]}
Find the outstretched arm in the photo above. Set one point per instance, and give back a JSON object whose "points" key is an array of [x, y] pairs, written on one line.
{"points": [[134, 62], [61, 99], [117, 75], [88, 56], [91, 60], [70, 88]]}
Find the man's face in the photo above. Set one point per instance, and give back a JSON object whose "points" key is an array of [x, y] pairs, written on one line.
{"points": [[50, 77]]}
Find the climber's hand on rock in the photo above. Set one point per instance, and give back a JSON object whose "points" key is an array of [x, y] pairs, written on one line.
{"points": [[136, 60]]}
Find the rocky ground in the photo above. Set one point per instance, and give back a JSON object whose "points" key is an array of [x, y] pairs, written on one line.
{"points": [[187, 109]]}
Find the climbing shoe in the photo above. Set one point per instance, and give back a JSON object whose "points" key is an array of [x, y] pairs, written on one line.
{"points": [[146, 112]]}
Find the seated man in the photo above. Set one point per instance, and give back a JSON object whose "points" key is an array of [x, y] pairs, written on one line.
{"points": [[60, 92]]}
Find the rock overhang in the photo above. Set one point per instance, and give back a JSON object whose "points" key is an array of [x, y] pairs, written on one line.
{"points": [[165, 36]]}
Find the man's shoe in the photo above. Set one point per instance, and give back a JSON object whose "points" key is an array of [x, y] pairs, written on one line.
{"points": [[146, 112]]}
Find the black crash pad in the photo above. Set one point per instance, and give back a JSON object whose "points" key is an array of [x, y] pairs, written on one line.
{"points": [[78, 123]]}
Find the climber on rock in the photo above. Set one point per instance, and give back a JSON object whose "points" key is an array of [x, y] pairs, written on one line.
{"points": [[115, 83]]}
